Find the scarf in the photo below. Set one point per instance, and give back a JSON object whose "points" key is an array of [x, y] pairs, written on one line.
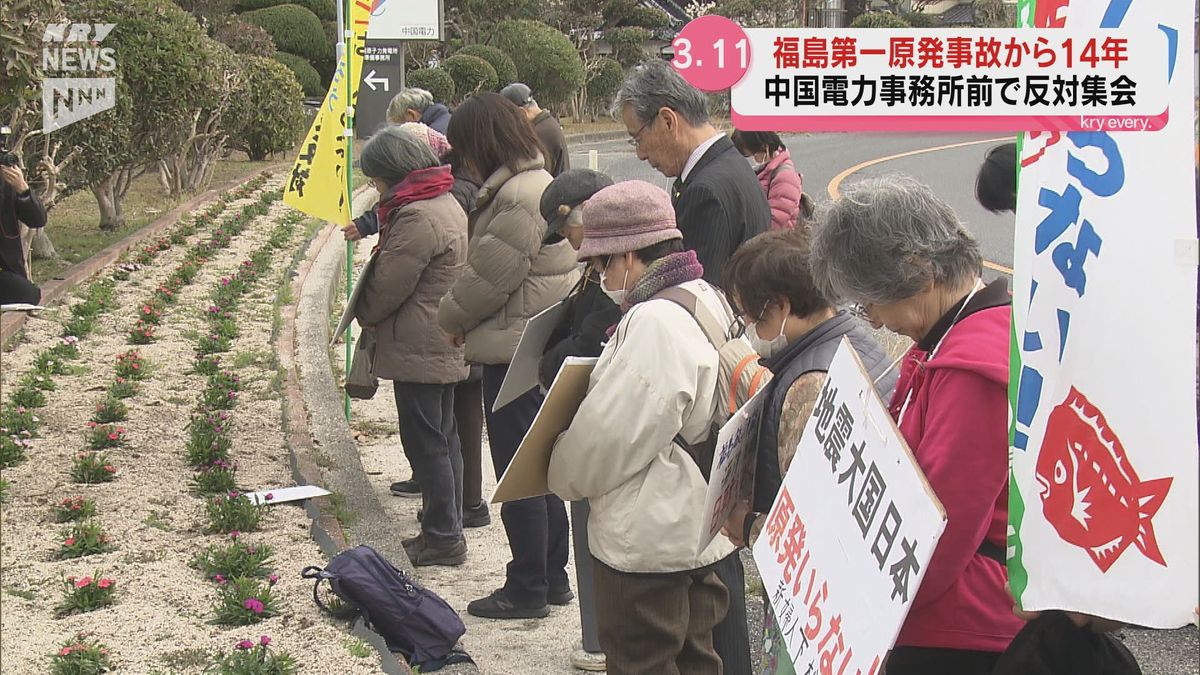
{"points": [[666, 272], [416, 186]]}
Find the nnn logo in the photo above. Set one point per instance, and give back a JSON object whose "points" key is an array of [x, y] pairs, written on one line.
{"points": [[72, 52]]}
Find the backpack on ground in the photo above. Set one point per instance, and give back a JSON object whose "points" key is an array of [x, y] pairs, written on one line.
{"points": [[413, 620], [739, 374]]}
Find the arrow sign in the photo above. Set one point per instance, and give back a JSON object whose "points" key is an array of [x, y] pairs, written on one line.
{"points": [[371, 81]]}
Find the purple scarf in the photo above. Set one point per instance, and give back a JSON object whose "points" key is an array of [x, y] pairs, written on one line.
{"points": [[666, 272]]}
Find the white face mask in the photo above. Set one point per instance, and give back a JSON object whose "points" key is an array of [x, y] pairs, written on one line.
{"points": [[617, 297], [766, 348]]}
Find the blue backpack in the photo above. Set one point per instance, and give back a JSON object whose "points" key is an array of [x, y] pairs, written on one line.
{"points": [[413, 620]]}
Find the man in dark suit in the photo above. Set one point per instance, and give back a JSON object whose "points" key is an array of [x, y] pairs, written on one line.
{"points": [[718, 201]]}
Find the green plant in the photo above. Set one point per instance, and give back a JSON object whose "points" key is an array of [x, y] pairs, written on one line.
{"points": [[150, 314], [233, 512], [92, 467], [604, 81], [310, 81], [74, 509], [235, 559], [222, 391], [81, 656], [434, 80], [245, 38], [878, 20], [267, 115], [4, 485], [28, 396], [213, 344], [122, 388], [208, 438], [38, 381], [545, 58], [130, 365], [224, 327], [922, 20], [254, 658], [83, 538], [49, 363], [159, 520], [105, 436], [295, 29], [506, 70], [78, 325], [357, 648], [67, 348], [19, 421], [86, 594], [218, 477], [111, 409], [324, 9], [471, 75], [243, 601], [13, 450]]}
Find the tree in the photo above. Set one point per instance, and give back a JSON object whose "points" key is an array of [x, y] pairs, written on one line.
{"points": [[879, 20], [295, 29], [434, 80], [326, 10], [994, 14], [472, 21], [506, 70], [920, 20], [266, 115], [471, 75], [161, 85], [210, 14], [764, 13], [245, 38], [603, 83], [305, 74], [545, 59], [628, 44]]}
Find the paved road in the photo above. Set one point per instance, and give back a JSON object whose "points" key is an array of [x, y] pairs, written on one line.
{"points": [[823, 159]]}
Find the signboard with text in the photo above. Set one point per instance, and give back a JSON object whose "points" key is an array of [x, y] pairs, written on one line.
{"points": [[380, 82], [850, 534], [732, 458], [405, 20]]}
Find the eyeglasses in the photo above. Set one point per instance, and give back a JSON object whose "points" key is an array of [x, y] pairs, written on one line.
{"points": [[857, 309], [738, 328], [635, 140]]}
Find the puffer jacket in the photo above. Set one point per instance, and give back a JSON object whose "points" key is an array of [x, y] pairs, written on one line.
{"points": [[509, 276], [782, 184], [421, 254], [655, 380]]}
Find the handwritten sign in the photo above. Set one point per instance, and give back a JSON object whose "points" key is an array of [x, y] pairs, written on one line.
{"points": [[731, 460], [851, 532]]}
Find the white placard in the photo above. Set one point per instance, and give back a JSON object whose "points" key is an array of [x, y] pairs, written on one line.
{"points": [[851, 532], [287, 494], [733, 452], [522, 372]]}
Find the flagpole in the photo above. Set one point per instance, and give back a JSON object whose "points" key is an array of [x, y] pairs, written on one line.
{"points": [[343, 30]]}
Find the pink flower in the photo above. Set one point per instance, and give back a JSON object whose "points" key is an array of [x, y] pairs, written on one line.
{"points": [[105, 583], [66, 651], [273, 579], [113, 436], [245, 644], [71, 542], [235, 534], [110, 468], [269, 496], [220, 579], [264, 640], [84, 582], [233, 494], [254, 605]]}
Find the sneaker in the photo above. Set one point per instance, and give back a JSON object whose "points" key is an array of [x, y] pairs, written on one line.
{"points": [[560, 596], [477, 516], [448, 555], [406, 488], [412, 545], [498, 606], [593, 662], [473, 516]]}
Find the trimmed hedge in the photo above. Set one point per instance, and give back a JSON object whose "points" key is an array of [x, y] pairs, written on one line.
{"points": [[267, 114], [326, 10], [878, 20], [307, 76], [602, 86], [506, 70], [295, 29], [545, 59], [471, 75], [434, 80]]}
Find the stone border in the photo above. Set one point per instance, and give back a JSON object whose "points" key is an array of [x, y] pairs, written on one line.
{"points": [[55, 289]]}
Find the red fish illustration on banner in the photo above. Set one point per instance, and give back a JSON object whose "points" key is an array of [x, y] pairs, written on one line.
{"points": [[1090, 492]]}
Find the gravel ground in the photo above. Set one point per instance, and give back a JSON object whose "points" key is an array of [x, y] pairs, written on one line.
{"points": [[160, 622]]}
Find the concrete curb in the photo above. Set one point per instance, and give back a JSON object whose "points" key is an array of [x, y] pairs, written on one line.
{"points": [[54, 290], [595, 137]]}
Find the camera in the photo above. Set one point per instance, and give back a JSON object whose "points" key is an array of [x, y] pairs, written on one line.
{"points": [[7, 158]]}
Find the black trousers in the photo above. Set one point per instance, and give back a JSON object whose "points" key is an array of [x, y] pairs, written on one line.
{"points": [[15, 288], [426, 413], [731, 637], [537, 529], [934, 661]]}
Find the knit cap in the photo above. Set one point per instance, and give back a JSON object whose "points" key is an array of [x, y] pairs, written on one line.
{"points": [[627, 216], [437, 140]]}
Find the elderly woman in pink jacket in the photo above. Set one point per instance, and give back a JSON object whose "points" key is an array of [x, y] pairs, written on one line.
{"points": [[770, 159]]}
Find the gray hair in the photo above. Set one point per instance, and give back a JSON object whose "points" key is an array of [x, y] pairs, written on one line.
{"points": [[393, 153], [655, 85], [411, 98], [886, 239]]}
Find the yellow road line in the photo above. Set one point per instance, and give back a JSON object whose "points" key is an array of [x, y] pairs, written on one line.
{"points": [[835, 184]]}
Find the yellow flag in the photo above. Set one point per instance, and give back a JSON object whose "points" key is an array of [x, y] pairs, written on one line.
{"points": [[317, 184]]}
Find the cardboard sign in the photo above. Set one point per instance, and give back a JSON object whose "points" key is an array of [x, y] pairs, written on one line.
{"points": [[526, 475], [523, 371], [851, 532], [731, 461], [287, 494], [1103, 492], [348, 312]]}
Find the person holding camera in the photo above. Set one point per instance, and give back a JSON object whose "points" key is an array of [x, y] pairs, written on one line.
{"points": [[17, 205]]}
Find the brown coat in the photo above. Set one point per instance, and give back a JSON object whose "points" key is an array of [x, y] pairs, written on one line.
{"points": [[510, 276], [420, 257]]}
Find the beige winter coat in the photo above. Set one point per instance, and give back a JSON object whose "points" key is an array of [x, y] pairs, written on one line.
{"points": [[421, 255], [656, 379], [509, 275]]}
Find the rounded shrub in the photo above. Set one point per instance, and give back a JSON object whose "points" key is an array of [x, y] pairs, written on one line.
{"points": [[267, 112], [306, 75], [545, 59], [878, 20], [326, 10], [295, 29], [245, 38], [434, 80], [605, 80], [471, 74], [506, 70]]}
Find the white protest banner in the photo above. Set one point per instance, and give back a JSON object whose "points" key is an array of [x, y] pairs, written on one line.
{"points": [[522, 372], [352, 301], [1103, 493], [851, 532], [731, 459]]}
